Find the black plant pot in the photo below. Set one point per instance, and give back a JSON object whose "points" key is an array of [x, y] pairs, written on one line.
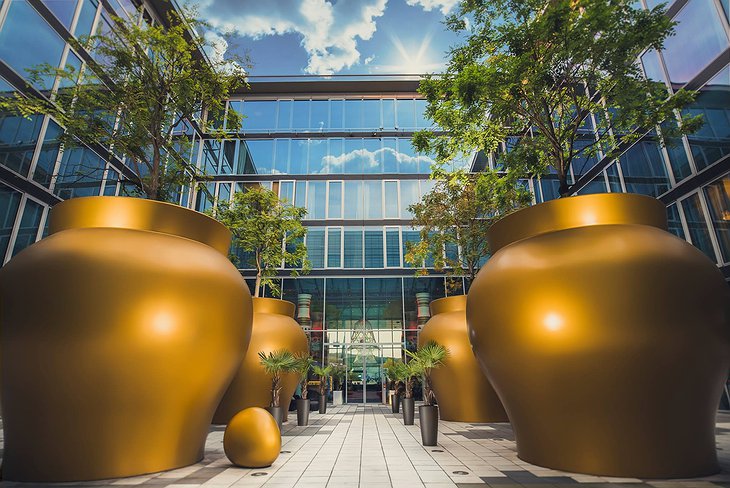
{"points": [[429, 420], [409, 410], [278, 414], [302, 411], [395, 403], [323, 403]]}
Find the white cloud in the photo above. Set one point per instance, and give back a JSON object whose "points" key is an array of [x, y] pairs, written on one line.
{"points": [[330, 31], [373, 159], [444, 5]]}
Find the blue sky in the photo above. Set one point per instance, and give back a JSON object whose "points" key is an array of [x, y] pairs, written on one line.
{"points": [[294, 37]]}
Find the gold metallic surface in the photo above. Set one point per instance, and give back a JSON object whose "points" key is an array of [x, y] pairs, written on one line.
{"points": [[607, 342], [274, 328], [117, 341], [462, 390], [252, 439]]}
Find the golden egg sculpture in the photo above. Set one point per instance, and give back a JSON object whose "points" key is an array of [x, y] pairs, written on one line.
{"points": [[606, 337], [274, 328], [462, 390], [119, 333], [252, 439]]}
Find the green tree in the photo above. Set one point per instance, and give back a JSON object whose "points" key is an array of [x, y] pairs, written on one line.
{"points": [[454, 217], [145, 82], [324, 373], [537, 70], [275, 364], [268, 228], [407, 374], [428, 357]]}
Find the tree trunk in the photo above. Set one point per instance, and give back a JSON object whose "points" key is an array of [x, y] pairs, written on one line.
{"points": [[258, 285]]}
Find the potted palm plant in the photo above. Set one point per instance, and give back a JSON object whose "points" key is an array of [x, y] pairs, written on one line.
{"points": [[407, 373], [323, 372], [275, 364], [304, 364], [338, 374], [429, 357], [391, 367]]}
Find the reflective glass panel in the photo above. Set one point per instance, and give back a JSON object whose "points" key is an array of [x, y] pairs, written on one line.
{"points": [[392, 247], [80, 174], [384, 304], [316, 199], [353, 114], [391, 199], [596, 185], [334, 200], [261, 152], [390, 155], [353, 247], [421, 120], [674, 221], [417, 294], [281, 157], [308, 295], [9, 203], [228, 157], [699, 38], [353, 157], [406, 110], [712, 141], [63, 10], [18, 137], [718, 201], [334, 247], [614, 179], [318, 159], [46, 164], [353, 200], [28, 228], [408, 196], [407, 157], [319, 115], [337, 159], [26, 41], [373, 247], [371, 114], [86, 18], [697, 226], [373, 199], [388, 107], [298, 158], [286, 191], [652, 67], [110, 185], [283, 116], [205, 197], [337, 109], [344, 304], [643, 169], [409, 236], [259, 115], [245, 163], [300, 115], [372, 156], [315, 246]]}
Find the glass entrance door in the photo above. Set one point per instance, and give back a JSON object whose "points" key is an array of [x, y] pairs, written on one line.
{"points": [[364, 382]]}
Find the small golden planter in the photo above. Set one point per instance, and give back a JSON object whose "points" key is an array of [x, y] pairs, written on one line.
{"points": [[463, 392], [606, 337], [274, 328], [252, 439], [119, 334]]}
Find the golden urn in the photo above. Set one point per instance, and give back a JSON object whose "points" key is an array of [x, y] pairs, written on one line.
{"points": [[252, 439], [605, 336], [463, 392], [274, 328], [119, 333]]}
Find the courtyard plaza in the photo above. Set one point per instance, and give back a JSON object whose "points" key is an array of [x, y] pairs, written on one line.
{"points": [[367, 446]]}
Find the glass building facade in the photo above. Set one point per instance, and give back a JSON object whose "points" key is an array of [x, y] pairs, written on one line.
{"points": [[341, 148]]}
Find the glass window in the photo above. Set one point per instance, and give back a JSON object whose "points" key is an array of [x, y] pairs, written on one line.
{"points": [[300, 115], [371, 114], [228, 157], [86, 18], [388, 106], [421, 120], [408, 196], [29, 223], [281, 158], [9, 203], [63, 10], [392, 247], [315, 247], [353, 200], [316, 205], [373, 199], [26, 41], [259, 115], [643, 169], [699, 38], [224, 192], [286, 191], [334, 200], [211, 153], [384, 303], [318, 159], [372, 156], [353, 247], [353, 114], [712, 141], [308, 295], [110, 185], [614, 179], [80, 174], [283, 118], [674, 221], [298, 156], [417, 294], [261, 152], [319, 115], [412, 236], [407, 157], [206, 197], [344, 303], [390, 155], [18, 137], [406, 110], [596, 185], [391, 199], [337, 109], [334, 247], [718, 201], [652, 66], [300, 194], [697, 225], [245, 162], [337, 157], [374, 247], [353, 156]]}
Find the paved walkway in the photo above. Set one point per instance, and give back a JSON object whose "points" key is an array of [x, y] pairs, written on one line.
{"points": [[369, 447]]}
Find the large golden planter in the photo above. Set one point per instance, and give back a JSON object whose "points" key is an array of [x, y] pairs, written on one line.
{"points": [[119, 334], [463, 392], [274, 328], [606, 337]]}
